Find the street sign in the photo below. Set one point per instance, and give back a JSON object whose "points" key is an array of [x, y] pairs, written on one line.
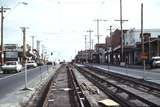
{"points": [[144, 56]]}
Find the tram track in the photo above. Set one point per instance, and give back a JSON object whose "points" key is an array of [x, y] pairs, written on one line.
{"points": [[128, 92], [139, 84], [64, 90]]}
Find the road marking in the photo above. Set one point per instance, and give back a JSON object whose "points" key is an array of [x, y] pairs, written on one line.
{"points": [[17, 73]]}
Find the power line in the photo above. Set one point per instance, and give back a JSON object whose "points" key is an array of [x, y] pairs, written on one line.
{"points": [[122, 38]]}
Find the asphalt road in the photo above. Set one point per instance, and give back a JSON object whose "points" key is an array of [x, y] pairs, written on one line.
{"points": [[14, 81], [4, 75]]}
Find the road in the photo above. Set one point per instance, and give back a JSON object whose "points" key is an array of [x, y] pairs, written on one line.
{"points": [[12, 82], [149, 75]]}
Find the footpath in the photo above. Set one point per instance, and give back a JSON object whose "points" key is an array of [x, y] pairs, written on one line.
{"points": [[138, 67]]}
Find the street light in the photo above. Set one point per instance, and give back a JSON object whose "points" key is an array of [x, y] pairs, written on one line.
{"points": [[24, 3], [24, 56]]}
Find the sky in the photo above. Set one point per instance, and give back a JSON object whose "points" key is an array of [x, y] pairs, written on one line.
{"points": [[60, 25]]}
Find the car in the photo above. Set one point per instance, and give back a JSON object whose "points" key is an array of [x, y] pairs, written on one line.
{"points": [[49, 63], [11, 66], [155, 62], [31, 64]]}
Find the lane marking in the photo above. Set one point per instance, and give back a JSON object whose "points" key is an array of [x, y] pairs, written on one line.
{"points": [[18, 73]]}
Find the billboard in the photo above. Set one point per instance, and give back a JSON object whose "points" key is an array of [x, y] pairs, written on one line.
{"points": [[11, 55]]}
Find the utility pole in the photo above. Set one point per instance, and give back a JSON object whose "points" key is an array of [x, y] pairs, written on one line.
{"points": [[24, 57], [2, 19], [33, 42], [110, 29], [42, 52], [85, 43], [122, 39], [85, 48], [111, 44], [121, 30], [98, 20], [110, 33], [158, 46], [24, 44], [142, 37], [90, 31], [38, 46], [92, 43]]}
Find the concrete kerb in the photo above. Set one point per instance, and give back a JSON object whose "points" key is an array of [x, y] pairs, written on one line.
{"points": [[19, 98]]}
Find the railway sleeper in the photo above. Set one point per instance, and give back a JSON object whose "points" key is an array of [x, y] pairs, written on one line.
{"points": [[152, 86], [83, 102], [112, 95], [134, 93], [119, 91]]}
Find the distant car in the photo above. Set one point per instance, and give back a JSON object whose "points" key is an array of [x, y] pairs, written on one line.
{"points": [[11, 66], [40, 64], [61, 62], [155, 62], [49, 63], [31, 64]]}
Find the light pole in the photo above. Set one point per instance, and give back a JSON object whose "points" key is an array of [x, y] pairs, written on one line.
{"points": [[24, 44], [142, 37], [24, 56], [158, 45], [92, 44], [85, 43], [107, 50], [98, 20], [85, 47], [2, 20], [111, 44], [121, 26], [90, 32], [98, 35], [38, 46], [149, 48], [33, 42]]}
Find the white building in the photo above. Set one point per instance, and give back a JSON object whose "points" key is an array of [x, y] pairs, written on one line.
{"points": [[133, 35]]}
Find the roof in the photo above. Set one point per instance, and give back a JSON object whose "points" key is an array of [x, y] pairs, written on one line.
{"points": [[102, 45]]}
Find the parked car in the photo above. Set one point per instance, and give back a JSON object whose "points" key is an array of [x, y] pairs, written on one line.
{"points": [[11, 66], [31, 64], [155, 62]]}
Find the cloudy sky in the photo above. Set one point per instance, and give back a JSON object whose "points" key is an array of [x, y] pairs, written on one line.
{"points": [[60, 25]]}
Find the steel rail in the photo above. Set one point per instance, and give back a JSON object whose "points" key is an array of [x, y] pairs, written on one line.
{"points": [[76, 96], [148, 85], [82, 100], [100, 83]]}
